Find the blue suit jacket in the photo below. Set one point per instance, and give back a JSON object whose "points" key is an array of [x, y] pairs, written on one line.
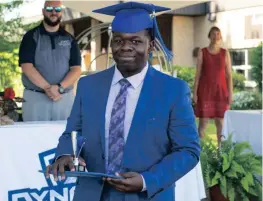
{"points": [[162, 144]]}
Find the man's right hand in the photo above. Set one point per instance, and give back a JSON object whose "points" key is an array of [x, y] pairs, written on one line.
{"points": [[60, 165]]}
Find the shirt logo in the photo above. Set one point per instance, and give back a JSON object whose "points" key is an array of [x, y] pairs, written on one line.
{"points": [[64, 43]]}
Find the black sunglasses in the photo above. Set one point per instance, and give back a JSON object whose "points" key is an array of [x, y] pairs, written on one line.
{"points": [[51, 8]]}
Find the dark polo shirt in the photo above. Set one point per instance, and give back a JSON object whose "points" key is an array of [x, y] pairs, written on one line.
{"points": [[52, 54]]}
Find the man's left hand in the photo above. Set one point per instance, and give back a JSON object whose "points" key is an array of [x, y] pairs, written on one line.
{"points": [[132, 182], [53, 93]]}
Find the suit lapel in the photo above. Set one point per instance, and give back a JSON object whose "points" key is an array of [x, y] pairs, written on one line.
{"points": [[104, 91]]}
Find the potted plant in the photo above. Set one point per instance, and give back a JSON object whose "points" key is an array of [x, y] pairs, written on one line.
{"points": [[231, 172]]}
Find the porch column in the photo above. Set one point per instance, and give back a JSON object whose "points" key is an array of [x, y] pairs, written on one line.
{"points": [[95, 44]]}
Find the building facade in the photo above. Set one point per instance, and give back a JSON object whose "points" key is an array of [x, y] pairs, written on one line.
{"points": [[241, 24], [184, 31]]}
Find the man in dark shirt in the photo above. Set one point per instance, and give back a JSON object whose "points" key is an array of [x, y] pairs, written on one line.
{"points": [[50, 61]]}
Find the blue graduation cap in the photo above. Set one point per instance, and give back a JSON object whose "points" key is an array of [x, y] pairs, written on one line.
{"points": [[132, 17]]}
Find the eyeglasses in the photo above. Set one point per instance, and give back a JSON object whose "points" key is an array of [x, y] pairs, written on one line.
{"points": [[51, 8]]}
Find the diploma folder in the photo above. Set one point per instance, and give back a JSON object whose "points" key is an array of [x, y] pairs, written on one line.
{"points": [[87, 174]]}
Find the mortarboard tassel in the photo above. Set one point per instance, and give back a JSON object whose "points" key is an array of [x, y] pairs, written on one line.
{"points": [[150, 55]]}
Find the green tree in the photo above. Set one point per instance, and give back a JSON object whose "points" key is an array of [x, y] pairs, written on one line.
{"points": [[10, 72], [10, 31], [238, 81], [256, 62]]}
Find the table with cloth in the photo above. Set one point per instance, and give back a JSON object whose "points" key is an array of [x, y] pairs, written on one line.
{"points": [[244, 125], [29, 147]]}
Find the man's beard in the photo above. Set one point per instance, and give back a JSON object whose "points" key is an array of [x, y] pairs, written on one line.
{"points": [[51, 23]]}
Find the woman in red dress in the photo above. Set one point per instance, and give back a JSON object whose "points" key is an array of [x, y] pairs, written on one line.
{"points": [[213, 83]]}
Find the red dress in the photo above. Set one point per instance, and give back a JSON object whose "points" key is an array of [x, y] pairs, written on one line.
{"points": [[212, 90]]}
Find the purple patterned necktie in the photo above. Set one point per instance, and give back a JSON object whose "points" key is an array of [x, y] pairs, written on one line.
{"points": [[116, 129]]}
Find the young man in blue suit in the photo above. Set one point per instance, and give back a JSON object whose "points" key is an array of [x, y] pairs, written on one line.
{"points": [[138, 122]]}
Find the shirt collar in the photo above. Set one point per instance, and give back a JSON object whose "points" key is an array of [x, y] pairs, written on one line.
{"points": [[135, 80]]}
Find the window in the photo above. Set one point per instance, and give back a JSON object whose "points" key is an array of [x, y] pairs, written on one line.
{"points": [[242, 72], [238, 57]]}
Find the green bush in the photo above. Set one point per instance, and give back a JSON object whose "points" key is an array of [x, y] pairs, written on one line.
{"points": [[188, 74], [246, 100], [238, 81], [256, 62]]}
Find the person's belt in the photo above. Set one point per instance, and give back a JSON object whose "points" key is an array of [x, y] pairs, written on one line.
{"points": [[34, 90], [43, 92]]}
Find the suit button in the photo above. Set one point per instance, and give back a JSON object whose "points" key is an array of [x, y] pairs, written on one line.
{"points": [[103, 156]]}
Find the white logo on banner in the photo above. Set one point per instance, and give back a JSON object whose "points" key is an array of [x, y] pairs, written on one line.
{"points": [[54, 191]]}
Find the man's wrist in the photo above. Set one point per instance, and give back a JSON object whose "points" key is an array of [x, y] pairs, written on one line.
{"points": [[61, 89], [63, 84], [46, 87]]}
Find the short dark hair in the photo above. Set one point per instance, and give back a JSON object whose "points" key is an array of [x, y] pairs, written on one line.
{"points": [[214, 28]]}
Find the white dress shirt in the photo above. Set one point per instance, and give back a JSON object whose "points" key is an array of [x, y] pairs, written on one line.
{"points": [[133, 94]]}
